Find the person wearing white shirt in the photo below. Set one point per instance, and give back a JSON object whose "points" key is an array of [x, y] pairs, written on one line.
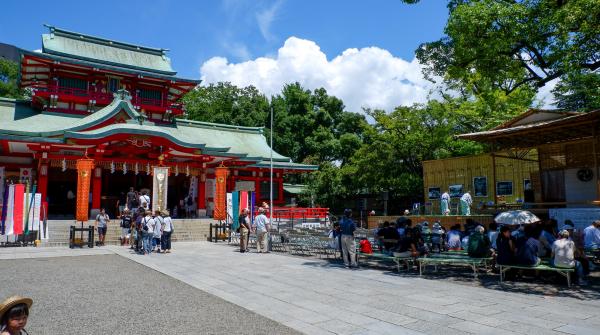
{"points": [[445, 203], [157, 234], [591, 236], [261, 227], [465, 203], [145, 201], [167, 230], [148, 224], [563, 255]]}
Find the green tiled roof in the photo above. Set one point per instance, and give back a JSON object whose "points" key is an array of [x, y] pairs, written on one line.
{"points": [[245, 143], [90, 48]]}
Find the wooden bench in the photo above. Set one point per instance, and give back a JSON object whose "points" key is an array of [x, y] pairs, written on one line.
{"points": [[441, 259], [565, 272], [381, 256]]}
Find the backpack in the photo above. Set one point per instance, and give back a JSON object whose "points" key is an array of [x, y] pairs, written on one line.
{"points": [[365, 247]]}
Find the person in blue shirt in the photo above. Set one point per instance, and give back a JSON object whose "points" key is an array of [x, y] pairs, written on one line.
{"points": [[527, 249], [347, 227]]}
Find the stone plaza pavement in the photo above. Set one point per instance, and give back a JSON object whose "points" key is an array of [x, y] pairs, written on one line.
{"points": [[318, 297]]}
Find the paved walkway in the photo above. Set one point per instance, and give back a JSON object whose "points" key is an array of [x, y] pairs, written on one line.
{"points": [[316, 297], [109, 294]]}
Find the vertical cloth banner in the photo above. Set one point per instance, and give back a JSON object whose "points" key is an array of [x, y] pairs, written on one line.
{"points": [[252, 205], [84, 177], [44, 221], [2, 184], [235, 209], [18, 209], [10, 211], [243, 200], [4, 209], [220, 212], [34, 217], [229, 206], [160, 184], [29, 211]]}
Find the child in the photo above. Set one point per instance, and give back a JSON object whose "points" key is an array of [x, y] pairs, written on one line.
{"points": [[14, 312]]}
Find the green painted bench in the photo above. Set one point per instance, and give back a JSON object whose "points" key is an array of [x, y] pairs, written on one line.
{"points": [[565, 272], [441, 259], [381, 256]]}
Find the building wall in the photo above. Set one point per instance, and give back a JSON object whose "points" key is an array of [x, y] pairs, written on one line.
{"points": [[462, 171]]}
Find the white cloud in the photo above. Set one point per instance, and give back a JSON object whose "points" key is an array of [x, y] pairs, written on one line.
{"points": [[265, 18], [368, 77]]}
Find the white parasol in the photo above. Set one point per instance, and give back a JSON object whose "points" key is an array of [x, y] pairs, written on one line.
{"points": [[516, 218]]}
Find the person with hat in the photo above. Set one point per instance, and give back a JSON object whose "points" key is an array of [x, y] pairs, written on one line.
{"points": [[167, 231], [563, 255], [126, 220], [348, 227], [14, 312]]}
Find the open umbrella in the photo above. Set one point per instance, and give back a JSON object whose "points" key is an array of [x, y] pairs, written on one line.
{"points": [[516, 218]]}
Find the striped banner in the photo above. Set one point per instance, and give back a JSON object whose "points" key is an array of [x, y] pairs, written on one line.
{"points": [[34, 217], [18, 209]]}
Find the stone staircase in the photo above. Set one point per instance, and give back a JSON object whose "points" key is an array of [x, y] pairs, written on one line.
{"points": [[185, 230]]}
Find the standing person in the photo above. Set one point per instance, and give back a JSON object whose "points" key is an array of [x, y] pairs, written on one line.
{"points": [[244, 230], [189, 206], [465, 203], [144, 200], [158, 226], [348, 227], [126, 220], [445, 203], [14, 312], [101, 223], [139, 227], [148, 224], [131, 196], [261, 227], [167, 231]]}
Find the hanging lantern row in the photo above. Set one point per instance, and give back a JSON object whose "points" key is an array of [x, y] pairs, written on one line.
{"points": [[112, 166]]}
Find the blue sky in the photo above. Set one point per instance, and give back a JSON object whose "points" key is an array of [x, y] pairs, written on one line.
{"points": [[360, 51], [239, 30]]}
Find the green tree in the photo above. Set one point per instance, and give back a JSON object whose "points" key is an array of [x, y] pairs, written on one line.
{"points": [[510, 45], [9, 72], [578, 92], [229, 104]]}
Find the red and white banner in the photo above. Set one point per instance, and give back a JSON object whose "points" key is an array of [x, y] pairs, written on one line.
{"points": [[25, 175]]}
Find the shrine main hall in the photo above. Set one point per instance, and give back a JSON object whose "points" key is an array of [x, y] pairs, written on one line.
{"points": [[120, 104]]}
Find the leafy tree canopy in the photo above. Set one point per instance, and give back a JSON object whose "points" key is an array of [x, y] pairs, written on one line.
{"points": [[9, 72], [512, 44]]}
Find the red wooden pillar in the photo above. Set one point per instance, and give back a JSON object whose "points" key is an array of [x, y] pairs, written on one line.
{"points": [[202, 192], [96, 188], [42, 182], [280, 198]]}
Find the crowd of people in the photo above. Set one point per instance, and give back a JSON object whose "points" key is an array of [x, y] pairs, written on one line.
{"points": [[525, 245], [142, 229]]}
